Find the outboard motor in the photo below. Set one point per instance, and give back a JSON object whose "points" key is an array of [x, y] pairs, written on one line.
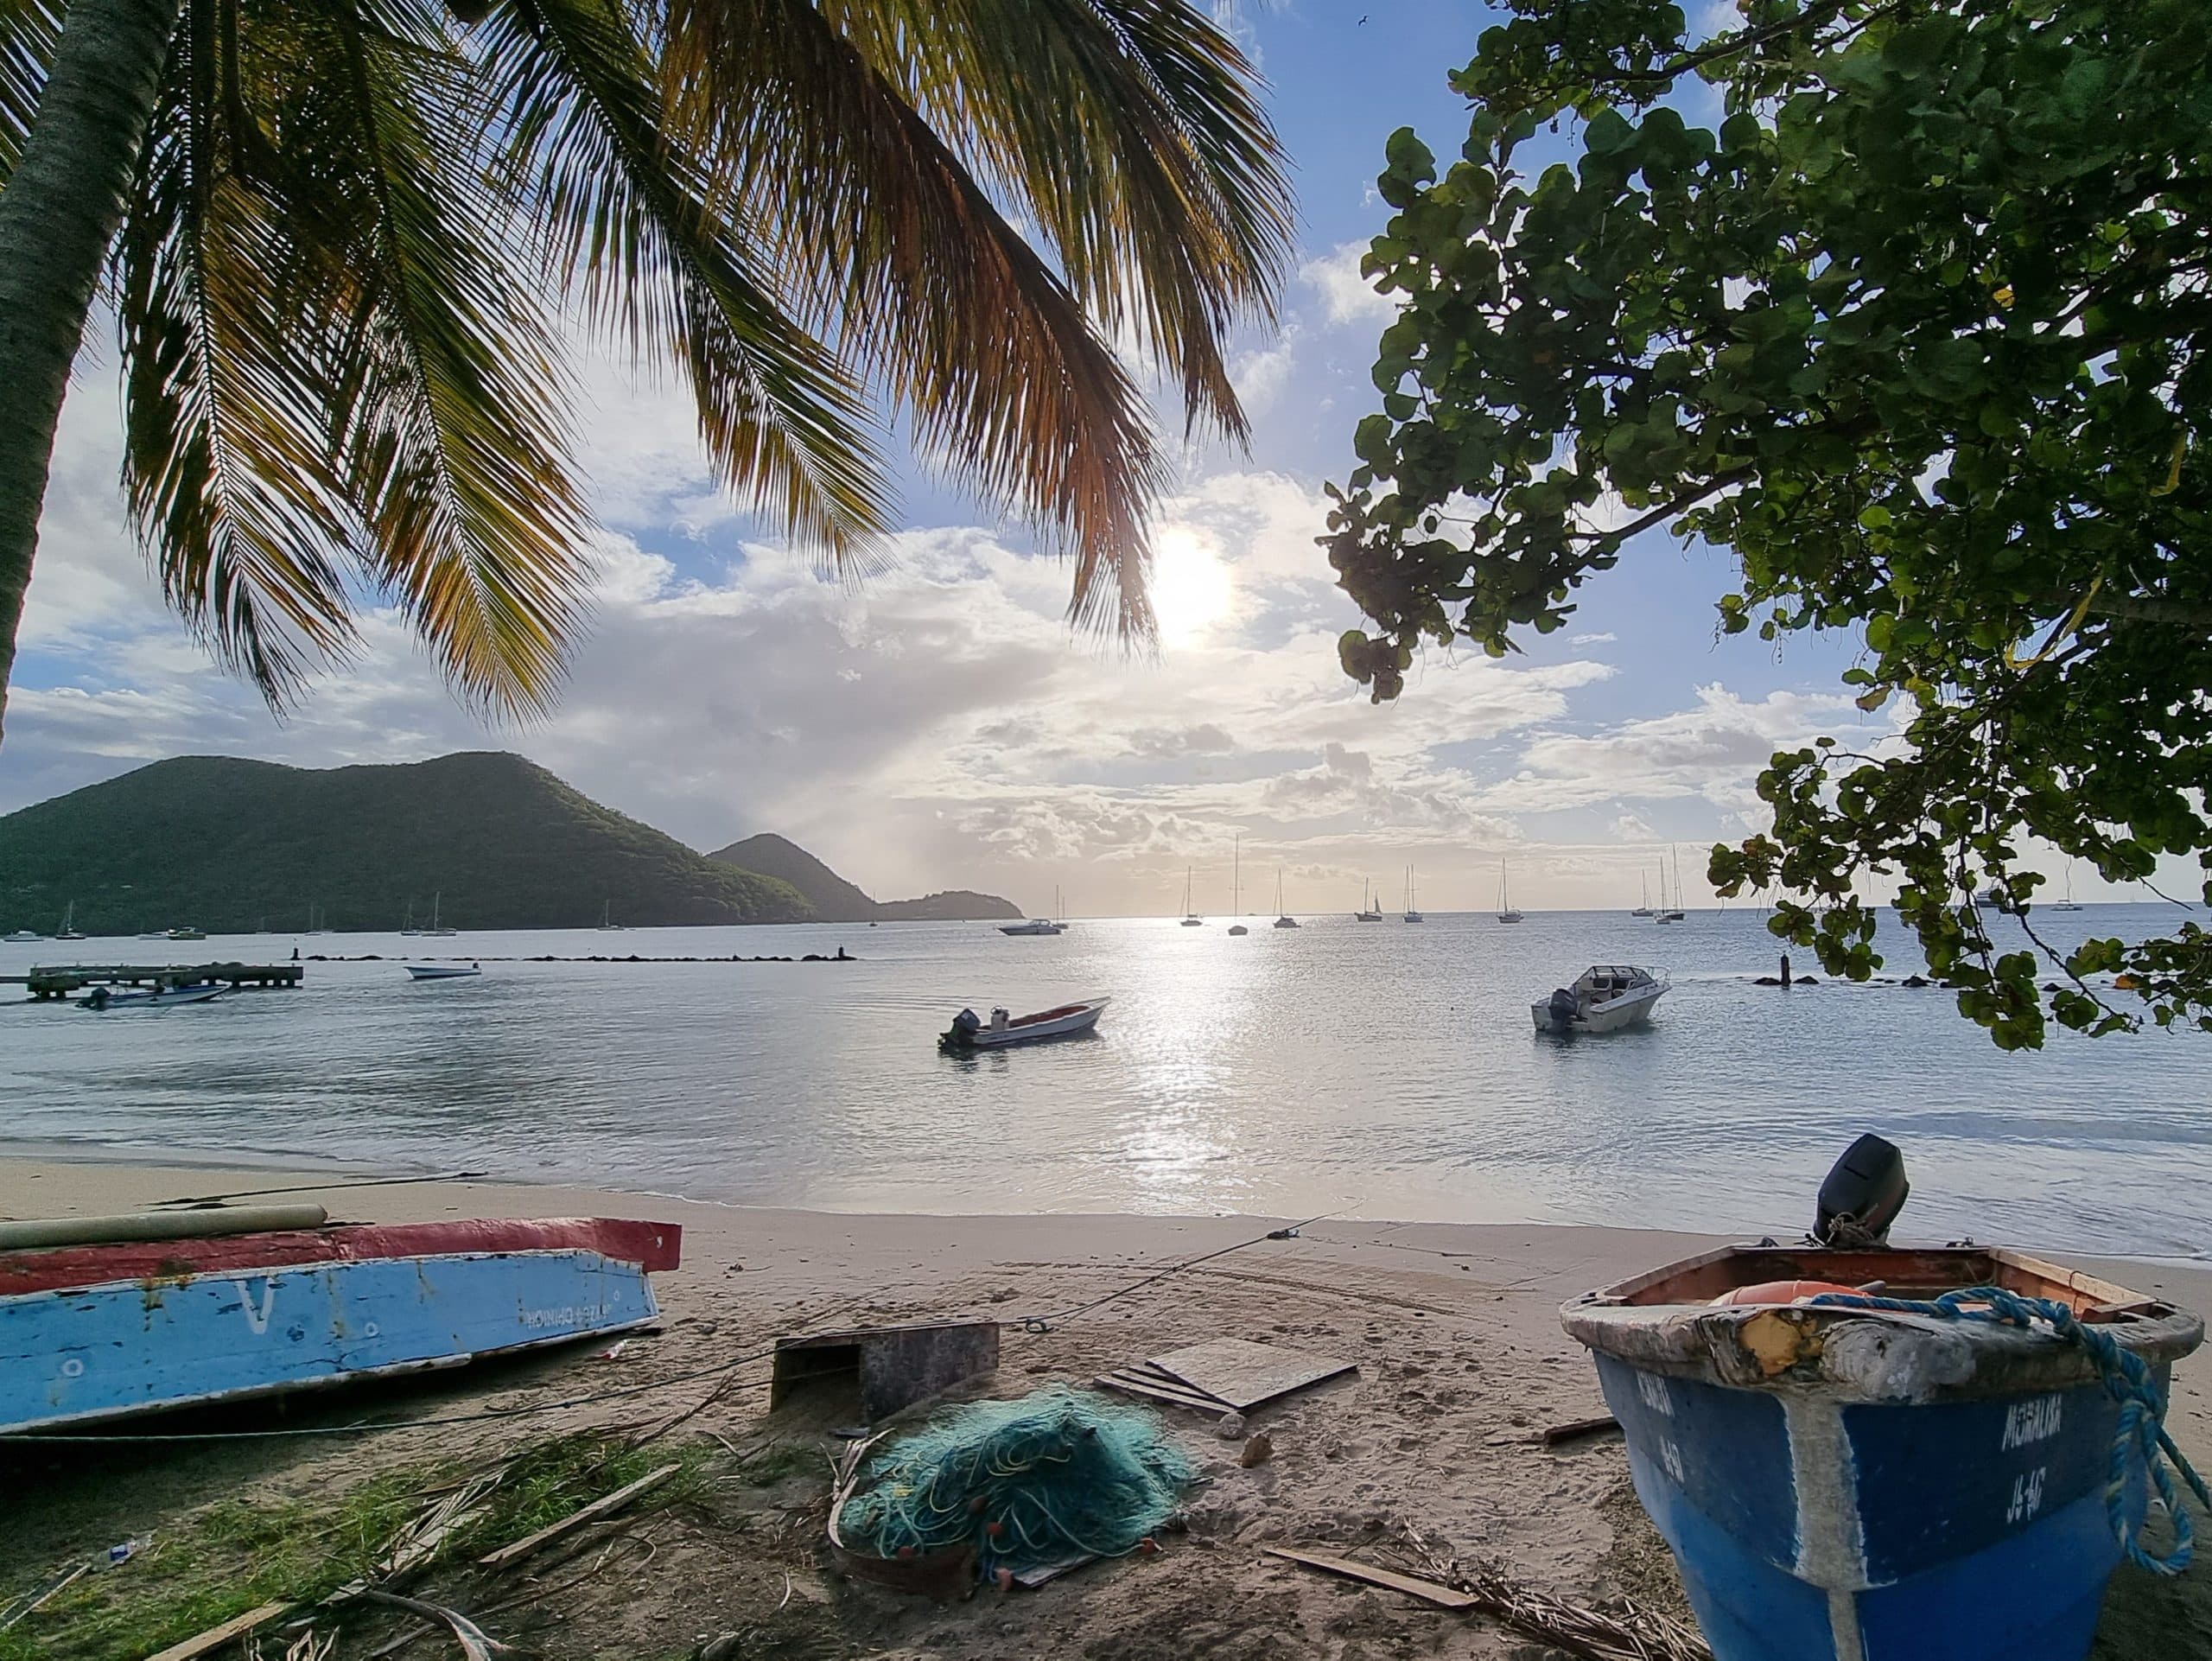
{"points": [[964, 1025], [1564, 1008], [1862, 1195]]}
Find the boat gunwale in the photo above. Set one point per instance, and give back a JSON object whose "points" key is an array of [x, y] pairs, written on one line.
{"points": [[1804, 1346]]}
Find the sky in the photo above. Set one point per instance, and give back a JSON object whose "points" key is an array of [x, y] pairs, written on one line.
{"points": [[942, 727]]}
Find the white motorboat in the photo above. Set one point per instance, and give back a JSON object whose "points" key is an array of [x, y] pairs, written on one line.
{"points": [[185, 933], [1283, 919], [970, 1032], [1507, 911], [1038, 925], [22, 936], [1607, 997], [438, 971], [100, 999]]}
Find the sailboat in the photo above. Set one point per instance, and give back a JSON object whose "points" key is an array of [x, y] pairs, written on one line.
{"points": [[1237, 885], [1283, 919], [436, 900], [1645, 910], [606, 923], [2068, 904], [1367, 912], [315, 921], [408, 926], [1191, 918], [69, 924], [1413, 911], [1669, 914], [1038, 925], [1507, 912]]}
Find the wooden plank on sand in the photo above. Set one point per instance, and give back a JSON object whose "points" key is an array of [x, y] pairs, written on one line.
{"points": [[1130, 1384], [216, 1637], [599, 1507], [1443, 1597], [1244, 1374]]}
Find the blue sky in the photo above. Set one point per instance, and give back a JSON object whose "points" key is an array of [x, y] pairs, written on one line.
{"points": [[943, 729]]}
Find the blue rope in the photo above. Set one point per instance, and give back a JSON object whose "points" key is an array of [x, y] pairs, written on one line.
{"points": [[2126, 1377]]}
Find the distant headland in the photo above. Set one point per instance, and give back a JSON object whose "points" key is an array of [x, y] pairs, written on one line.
{"points": [[488, 839]]}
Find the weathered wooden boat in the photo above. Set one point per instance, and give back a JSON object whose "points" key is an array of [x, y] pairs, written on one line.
{"points": [[969, 1032], [102, 1318], [431, 971], [1848, 1469]]}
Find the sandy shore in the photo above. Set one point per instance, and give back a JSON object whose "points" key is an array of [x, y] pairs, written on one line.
{"points": [[1454, 1331]]}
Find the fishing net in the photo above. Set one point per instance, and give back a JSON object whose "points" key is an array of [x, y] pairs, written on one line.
{"points": [[1028, 1484]]}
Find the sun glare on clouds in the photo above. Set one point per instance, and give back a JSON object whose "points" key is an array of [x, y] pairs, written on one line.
{"points": [[1191, 589]]}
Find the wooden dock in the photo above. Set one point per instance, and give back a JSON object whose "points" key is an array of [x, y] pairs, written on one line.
{"points": [[64, 980]]}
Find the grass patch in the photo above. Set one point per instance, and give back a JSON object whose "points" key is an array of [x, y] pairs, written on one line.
{"points": [[226, 1558], [218, 1563]]}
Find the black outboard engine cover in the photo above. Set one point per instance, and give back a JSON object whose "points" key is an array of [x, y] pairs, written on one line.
{"points": [[1862, 1196], [1564, 1008], [966, 1022]]}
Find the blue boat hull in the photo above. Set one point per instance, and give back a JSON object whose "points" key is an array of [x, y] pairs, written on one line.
{"points": [[1810, 1529], [88, 1353]]}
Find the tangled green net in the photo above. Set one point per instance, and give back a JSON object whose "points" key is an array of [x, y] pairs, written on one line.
{"points": [[1029, 1483]]}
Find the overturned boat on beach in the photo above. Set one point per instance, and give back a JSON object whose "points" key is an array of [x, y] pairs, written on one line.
{"points": [[1872, 1453], [102, 1318]]}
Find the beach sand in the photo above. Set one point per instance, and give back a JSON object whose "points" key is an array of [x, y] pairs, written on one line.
{"points": [[1454, 1330]]}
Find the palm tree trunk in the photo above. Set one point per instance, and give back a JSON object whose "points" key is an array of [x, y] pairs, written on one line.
{"points": [[59, 211]]}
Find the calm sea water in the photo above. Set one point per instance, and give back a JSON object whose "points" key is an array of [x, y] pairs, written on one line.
{"points": [[1386, 1069]]}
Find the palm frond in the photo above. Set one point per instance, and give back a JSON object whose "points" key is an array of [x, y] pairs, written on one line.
{"points": [[1129, 129], [923, 281], [28, 32], [225, 470], [624, 218], [448, 421]]}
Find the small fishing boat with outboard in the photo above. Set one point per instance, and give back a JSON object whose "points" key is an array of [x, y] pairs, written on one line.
{"points": [[1605, 998], [101, 999], [1872, 1453], [970, 1031], [105, 1317], [438, 971]]}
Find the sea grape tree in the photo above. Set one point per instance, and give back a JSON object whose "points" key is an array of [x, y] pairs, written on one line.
{"points": [[1906, 305]]}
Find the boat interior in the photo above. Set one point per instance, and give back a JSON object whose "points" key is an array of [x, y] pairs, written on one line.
{"points": [[1915, 1272]]}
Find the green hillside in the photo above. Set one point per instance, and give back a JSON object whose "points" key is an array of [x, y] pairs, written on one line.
{"points": [[835, 901], [224, 845]]}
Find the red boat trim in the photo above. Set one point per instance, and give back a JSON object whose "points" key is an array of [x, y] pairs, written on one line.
{"points": [[649, 1245]]}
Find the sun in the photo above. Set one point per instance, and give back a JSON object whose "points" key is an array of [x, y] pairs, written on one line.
{"points": [[1191, 587]]}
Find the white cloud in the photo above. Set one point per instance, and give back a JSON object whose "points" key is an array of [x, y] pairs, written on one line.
{"points": [[1348, 297], [1590, 639]]}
